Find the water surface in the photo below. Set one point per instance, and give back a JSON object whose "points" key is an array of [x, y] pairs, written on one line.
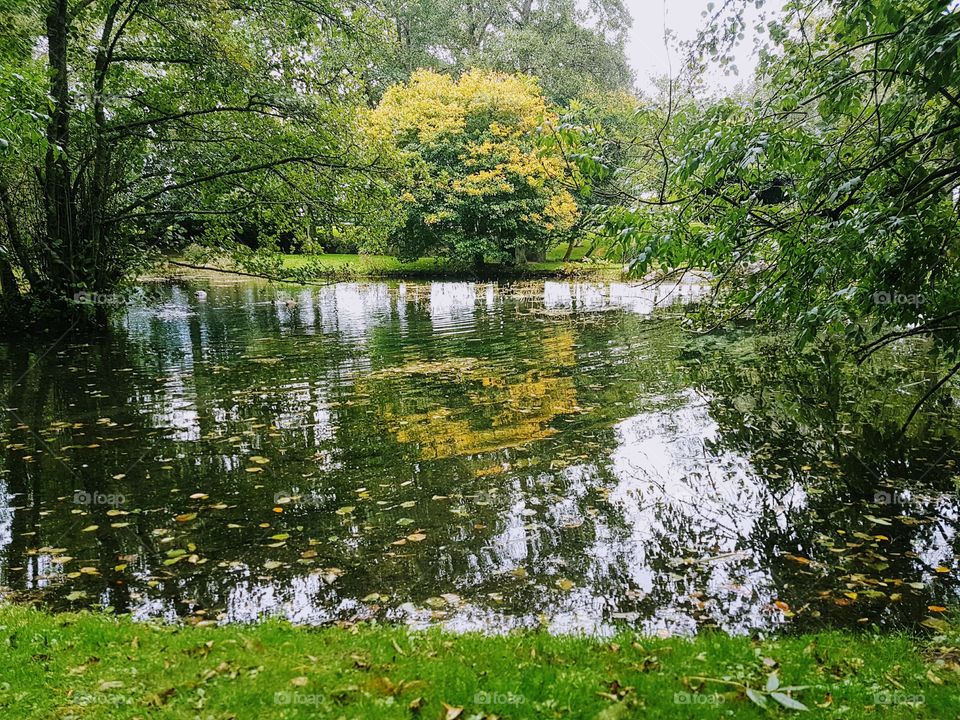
{"points": [[479, 455]]}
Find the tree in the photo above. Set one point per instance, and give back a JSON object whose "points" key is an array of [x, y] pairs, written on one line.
{"points": [[827, 201], [478, 187], [154, 111], [599, 138], [572, 48]]}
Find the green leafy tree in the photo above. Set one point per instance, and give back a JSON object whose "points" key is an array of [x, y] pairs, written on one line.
{"points": [[572, 48], [154, 112], [827, 201], [479, 187]]}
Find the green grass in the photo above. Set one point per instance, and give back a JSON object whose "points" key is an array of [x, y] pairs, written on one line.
{"points": [[386, 266], [98, 666], [364, 263]]}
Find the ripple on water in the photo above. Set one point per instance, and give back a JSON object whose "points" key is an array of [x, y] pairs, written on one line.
{"points": [[488, 456]]}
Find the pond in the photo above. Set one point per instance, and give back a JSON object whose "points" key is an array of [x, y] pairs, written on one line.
{"points": [[484, 456]]}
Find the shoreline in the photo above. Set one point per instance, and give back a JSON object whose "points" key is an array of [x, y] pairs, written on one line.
{"points": [[340, 268]]}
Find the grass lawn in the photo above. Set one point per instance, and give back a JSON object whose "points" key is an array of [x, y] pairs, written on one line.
{"points": [[98, 666], [387, 266]]}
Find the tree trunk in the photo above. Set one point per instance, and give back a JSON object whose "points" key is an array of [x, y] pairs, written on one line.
{"points": [[22, 258], [58, 190], [526, 11]]}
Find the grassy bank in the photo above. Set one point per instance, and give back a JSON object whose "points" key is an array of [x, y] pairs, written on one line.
{"points": [[96, 666], [386, 266]]}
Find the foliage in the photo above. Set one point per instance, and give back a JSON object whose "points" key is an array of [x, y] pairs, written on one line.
{"points": [[573, 49], [146, 121], [598, 137], [479, 188], [827, 200]]}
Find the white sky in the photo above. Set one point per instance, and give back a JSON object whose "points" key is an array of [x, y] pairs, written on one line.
{"points": [[645, 46]]}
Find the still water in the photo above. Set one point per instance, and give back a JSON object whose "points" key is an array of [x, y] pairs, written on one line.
{"points": [[477, 455]]}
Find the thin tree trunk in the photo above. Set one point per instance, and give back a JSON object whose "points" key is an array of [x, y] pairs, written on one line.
{"points": [[16, 239], [58, 191]]}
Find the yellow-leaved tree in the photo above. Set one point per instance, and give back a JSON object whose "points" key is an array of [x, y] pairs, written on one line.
{"points": [[478, 188]]}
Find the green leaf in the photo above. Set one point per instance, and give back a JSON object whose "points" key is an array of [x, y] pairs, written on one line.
{"points": [[788, 702], [756, 698]]}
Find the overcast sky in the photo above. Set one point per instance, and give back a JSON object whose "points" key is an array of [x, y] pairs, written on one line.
{"points": [[645, 48]]}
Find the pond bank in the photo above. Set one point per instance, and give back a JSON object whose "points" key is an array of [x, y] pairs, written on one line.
{"points": [[335, 266], [99, 666]]}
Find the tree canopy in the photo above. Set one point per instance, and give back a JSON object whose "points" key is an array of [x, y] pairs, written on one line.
{"points": [[139, 115], [479, 187], [825, 200], [573, 48]]}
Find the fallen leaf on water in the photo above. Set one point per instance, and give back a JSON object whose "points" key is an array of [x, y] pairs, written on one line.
{"points": [[330, 575], [186, 517]]}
